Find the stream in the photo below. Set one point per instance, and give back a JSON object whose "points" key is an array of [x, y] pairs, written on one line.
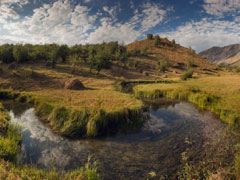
{"points": [[171, 129]]}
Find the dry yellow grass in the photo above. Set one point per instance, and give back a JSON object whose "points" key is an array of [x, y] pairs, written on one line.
{"points": [[226, 86], [110, 101]]}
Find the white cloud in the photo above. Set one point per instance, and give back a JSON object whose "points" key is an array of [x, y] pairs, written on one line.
{"points": [[206, 33], [147, 17], [80, 16], [59, 22], [221, 7], [6, 10], [153, 14], [64, 22], [119, 32]]}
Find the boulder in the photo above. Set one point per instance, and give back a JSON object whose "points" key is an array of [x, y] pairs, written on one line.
{"points": [[74, 84]]}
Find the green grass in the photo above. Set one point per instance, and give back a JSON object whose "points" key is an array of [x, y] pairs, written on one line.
{"points": [[88, 114], [11, 171], [219, 94], [188, 74], [10, 139]]}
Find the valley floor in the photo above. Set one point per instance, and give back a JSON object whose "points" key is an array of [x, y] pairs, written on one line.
{"points": [[97, 109]]}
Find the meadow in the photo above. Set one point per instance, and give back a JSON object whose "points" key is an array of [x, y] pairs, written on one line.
{"points": [[111, 100]]}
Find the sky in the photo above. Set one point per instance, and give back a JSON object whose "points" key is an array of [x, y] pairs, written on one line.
{"points": [[200, 24]]}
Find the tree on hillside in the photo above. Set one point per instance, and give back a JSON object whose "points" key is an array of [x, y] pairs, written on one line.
{"points": [[20, 53], [174, 43], [163, 65], [102, 61], [92, 58], [191, 50], [149, 36], [54, 54], [63, 52], [157, 41], [6, 53]]}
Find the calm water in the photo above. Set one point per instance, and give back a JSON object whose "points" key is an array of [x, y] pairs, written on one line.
{"points": [[171, 129]]}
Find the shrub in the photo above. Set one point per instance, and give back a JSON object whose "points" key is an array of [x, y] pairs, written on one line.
{"points": [[149, 36], [157, 41], [136, 63], [9, 145], [163, 65], [238, 70], [20, 53], [190, 63], [6, 53], [174, 43], [187, 74]]}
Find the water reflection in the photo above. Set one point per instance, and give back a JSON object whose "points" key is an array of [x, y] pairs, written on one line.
{"points": [[157, 147]]}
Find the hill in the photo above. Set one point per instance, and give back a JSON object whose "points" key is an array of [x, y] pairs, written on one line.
{"points": [[229, 61], [148, 56], [224, 54]]}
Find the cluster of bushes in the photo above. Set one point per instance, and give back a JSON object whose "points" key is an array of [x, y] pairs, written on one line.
{"points": [[163, 65], [187, 74], [96, 56]]}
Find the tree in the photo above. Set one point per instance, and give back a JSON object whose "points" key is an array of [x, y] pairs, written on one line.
{"points": [[190, 63], [163, 65], [174, 43], [157, 41], [6, 53], [54, 54], [149, 36], [63, 52], [20, 53]]}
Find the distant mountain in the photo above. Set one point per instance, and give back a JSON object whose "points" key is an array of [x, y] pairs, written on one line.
{"points": [[222, 55]]}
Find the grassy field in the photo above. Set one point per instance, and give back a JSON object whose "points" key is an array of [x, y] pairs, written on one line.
{"points": [[95, 111], [101, 110], [221, 94]]}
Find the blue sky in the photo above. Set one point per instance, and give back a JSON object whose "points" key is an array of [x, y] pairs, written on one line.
{"points": [[197, 23]]}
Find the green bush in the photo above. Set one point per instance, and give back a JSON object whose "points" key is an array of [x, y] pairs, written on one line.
{"points": [[187, 74], [9, 145], [163, 65], [174, 43], [157, 41], [149, 36], [190, 63]]}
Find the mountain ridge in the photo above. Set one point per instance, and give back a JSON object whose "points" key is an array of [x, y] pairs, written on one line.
{"points": [[222, 55]]}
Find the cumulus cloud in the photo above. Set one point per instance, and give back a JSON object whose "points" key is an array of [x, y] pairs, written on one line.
{"points": [[65, 22], [221, 7], [148, 16], [58, 22], [6, 10], [206, 33]]}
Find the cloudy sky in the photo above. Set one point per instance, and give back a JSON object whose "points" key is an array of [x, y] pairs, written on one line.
{"points": [[197, 23]]}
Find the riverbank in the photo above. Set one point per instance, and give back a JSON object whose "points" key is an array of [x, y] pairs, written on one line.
{"points": [[10, 141], [219, 94], [88, 114]]}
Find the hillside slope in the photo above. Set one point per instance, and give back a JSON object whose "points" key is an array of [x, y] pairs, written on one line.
{"points": [[178, 58], [229, 61], [223, 54]]}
